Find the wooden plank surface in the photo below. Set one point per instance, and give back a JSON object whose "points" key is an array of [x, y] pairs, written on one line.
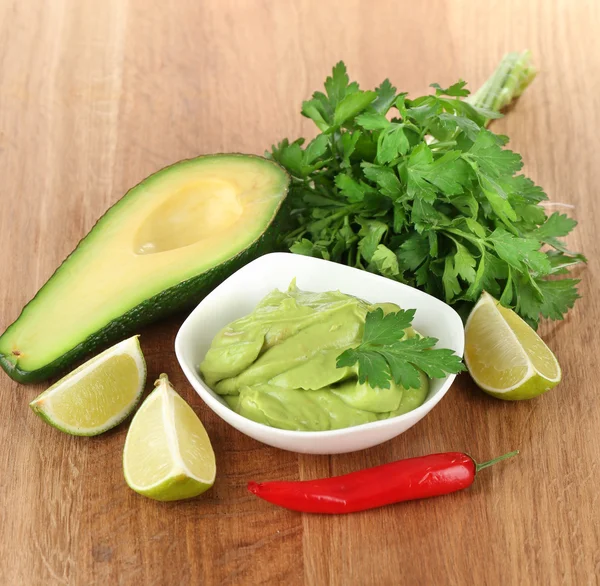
{"points": [[94, 96]]}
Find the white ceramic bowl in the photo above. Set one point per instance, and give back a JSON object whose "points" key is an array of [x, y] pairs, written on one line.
{"points": [[239, 294]]}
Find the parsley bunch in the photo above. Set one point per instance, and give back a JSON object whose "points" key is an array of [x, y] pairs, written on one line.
{"points": [[418, 190]]}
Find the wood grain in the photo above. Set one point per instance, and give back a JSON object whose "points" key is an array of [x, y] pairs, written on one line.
{"points": [[94, 96]]}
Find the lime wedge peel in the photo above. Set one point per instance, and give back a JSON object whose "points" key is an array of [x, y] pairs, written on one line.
{"points": [[99, 394], [168, 455], [505, 356]]}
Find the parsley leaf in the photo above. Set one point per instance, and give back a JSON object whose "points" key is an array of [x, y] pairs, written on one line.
{"points": [[385, 178], [373, 121], [427, 176], [381, 329], [386, 96], [373, 366], [464, 263], [351, 105], [336, 86], [392, 142], [457, 90], [372, 232], [314, 110], [406, 356], [386, 353], [491, 158], [557, 297], [350, 188], [316, 148], [414, 251], [556, 226], [520, 253], [469, 127], [385, 261]]}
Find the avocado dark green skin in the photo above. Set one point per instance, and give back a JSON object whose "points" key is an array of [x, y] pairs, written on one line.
{"points": [[182, 296]]}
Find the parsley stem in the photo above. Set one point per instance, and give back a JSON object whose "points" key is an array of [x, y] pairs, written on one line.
{"points": [[507, 83], [441, 145], [294, 233], [323, 222], [474, 239]]}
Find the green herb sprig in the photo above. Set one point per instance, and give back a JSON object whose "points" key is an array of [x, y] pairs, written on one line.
{"points": [[386, 353]]}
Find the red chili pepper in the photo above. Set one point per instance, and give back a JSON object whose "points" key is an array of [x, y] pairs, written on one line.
{"points": [[405, 480]]}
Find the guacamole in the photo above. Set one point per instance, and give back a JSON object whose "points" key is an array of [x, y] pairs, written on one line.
{"points": [[277, 365]]}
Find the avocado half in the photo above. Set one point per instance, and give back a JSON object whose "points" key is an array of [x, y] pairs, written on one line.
{"points": [[160, 248]]}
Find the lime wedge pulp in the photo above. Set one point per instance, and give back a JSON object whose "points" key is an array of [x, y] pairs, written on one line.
{"points": [[168, 455], [504, 355], [99, 394]]}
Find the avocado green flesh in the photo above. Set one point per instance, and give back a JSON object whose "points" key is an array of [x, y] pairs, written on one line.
{"points": [[162, 247], [277, 366]]}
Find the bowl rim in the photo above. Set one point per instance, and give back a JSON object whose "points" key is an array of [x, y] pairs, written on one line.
{"points": [[225, 412]]}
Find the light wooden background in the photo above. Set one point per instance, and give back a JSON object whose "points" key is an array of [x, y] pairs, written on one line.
{"points": [[96, 95]]}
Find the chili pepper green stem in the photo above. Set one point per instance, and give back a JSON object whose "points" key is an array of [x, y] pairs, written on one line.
{"points": [[483, 465]]}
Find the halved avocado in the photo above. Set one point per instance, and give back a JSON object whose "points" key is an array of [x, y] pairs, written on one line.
{"points": [[162, 247]]}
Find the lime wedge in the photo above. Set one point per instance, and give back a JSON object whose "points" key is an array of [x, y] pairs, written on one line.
{"points": [[168, 455], [99, 394], [505, 357]]}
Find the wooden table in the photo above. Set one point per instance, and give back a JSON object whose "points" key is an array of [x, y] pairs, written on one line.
{"points": [[94, 96]]}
